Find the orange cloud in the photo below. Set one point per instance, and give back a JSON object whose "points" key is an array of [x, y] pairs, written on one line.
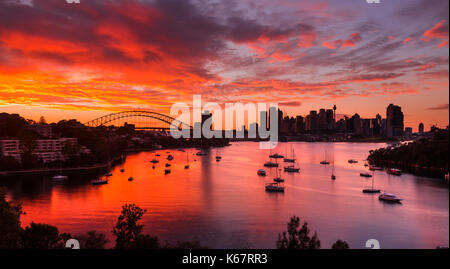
{"points": [[354, 39], [407, 40], [438, 31]]}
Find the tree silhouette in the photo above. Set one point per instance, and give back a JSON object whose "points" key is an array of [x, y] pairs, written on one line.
{"points": [[295, 238], [9, 222], [339, 244], [127, 230], [43, 236], [92, 240]]}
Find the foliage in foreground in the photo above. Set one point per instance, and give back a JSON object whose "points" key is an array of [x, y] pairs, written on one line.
{"points": [[297, 238]]}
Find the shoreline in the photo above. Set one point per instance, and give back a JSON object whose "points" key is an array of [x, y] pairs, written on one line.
{"points": [[43, 171]]}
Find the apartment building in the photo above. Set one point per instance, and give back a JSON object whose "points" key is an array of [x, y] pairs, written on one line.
{"points": [[49, 150]]}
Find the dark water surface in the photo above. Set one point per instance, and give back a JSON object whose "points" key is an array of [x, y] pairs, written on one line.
{"points": [[224, 204]]}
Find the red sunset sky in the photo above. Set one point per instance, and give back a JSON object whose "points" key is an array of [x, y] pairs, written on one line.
{"points": [[85, 60]]}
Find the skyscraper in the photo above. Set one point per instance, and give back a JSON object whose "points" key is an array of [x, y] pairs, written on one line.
{"points": [[330, 119], [421, 128], [394, 121]]}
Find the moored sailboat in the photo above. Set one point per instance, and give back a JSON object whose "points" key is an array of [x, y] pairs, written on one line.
{"points": [[371, 189]]}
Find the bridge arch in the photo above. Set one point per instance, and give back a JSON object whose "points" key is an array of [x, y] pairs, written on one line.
{"points": [[166, 121]]}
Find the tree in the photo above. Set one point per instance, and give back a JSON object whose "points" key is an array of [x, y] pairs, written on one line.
{"points": [[43, 236], [9, 222], [295, 238], [339, 244], [92, 240], [145, 241], [42, 120], [127, 230]]}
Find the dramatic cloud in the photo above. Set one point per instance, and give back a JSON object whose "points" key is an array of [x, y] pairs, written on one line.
{"points": [[351, 42], [113, 55], [438, 31]]}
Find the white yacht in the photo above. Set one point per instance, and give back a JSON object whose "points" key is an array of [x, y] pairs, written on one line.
{"points": [[59, 178], [389, 197]]}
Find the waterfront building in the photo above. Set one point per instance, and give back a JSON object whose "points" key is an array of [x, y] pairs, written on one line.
{"points": [[367, 127], [330, 119], [377, 125], [49, 150], [279, 118], [312, 121], [322, 119], [421, 128], [11, 148], [394, 121], [299, 124], [408, 132]]}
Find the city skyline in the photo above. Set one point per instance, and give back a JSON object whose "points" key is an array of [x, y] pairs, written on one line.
{"points": [[83, 61]]}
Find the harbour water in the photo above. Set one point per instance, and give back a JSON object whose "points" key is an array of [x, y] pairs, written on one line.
{"points": [[224, 204]]}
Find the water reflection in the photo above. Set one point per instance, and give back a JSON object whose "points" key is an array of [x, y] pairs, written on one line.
{"points": [[223, 204]]}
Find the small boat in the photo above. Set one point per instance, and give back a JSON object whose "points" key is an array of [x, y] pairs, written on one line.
{"points": [[371, 189], [333, 177], [167, 164], [366, 165], [122, 170], [278, 178], [394, 171], [274, 187], [166, 171], [201, 153], [261, 172], [325, 162], [270, 164], [59, 178], [365, 175], [170, 157], [291, 168], [292, 159], [276, 156], [375, 168], [154, 161], [352, 161], [109, 174], [218, 157], [158, 155], [389, 197], [187, 161], [99, 181], [130, 179], [167, 151]]}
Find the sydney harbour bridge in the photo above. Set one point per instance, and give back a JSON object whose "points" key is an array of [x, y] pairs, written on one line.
{"points": [[141, 119]]}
